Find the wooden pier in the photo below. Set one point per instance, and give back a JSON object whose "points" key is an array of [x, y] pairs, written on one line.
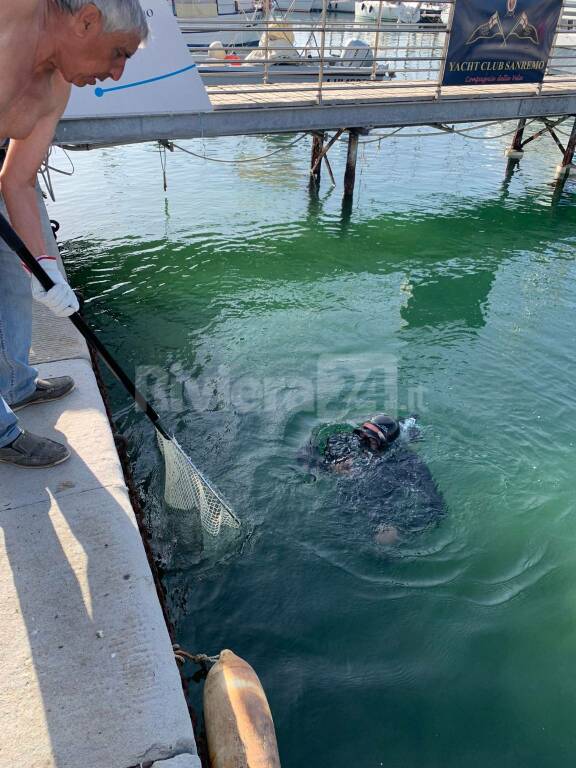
{"points": [[286, 108], [399, 86]]}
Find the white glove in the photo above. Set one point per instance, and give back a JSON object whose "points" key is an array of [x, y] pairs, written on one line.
{"points": [[60, 299]]}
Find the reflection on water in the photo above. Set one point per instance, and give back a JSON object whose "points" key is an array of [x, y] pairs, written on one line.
{"points": [[452, 300], [258, 313]]}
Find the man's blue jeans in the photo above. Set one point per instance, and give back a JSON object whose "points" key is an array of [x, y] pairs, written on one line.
{"points": [[17, 377]]}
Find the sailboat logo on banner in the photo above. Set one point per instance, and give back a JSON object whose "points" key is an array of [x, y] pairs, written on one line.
{"points": [[493, 28]]}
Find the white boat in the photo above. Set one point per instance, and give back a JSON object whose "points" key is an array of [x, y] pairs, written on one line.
{"points": [[335, 6], [405, 13], [370, 9], [286, 64], [233, 22], [292, 6], [566, 32], [305, 6], [216, 73], [433, 13], [562, 59]]}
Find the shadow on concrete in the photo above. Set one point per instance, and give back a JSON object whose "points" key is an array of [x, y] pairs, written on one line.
{"points": [[91, 679]]}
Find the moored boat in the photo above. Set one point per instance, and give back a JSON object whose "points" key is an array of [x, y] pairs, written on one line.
{"points": [[373, 9], [335, 6], [292, 6], [286, 64], [233, 22], [405, 13]]}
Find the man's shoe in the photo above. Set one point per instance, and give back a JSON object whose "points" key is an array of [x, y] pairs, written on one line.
{"points": [[30, 450], [46, 391]]}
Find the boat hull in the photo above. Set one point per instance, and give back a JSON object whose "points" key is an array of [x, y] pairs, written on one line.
{"points": [[296, 6], [230, 30], [408, 13], [250, 74], [364, 9], [335, 6]]}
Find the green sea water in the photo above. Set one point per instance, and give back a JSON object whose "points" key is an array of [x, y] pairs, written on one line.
{"points": [[252, 312]]}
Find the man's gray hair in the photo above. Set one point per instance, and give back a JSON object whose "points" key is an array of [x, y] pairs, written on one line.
{"points": [[117, 15]]}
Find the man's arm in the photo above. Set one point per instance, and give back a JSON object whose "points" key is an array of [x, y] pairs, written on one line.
{"points": [[18, 175], [18, 187]]}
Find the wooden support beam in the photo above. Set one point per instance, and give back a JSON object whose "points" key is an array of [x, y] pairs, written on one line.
{"points": [[350, 173], [329, 167], [534, 136], [327, 148], [516, 150], [570, 147], [315, 164], [518, 136], [564, 169], [557, 140]]}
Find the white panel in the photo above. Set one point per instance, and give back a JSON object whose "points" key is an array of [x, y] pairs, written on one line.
{"points": [[160, 79]]}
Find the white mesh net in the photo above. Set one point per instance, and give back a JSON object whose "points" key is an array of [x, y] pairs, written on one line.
{"points": [[186, 488]]}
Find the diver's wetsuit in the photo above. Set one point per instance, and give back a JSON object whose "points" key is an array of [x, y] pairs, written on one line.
{"points": [[392, 488]]}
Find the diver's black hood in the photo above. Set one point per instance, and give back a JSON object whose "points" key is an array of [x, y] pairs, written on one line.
{"points": [[379, 432]]}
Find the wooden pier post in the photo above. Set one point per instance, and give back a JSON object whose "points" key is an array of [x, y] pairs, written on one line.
{"points": [[563, 170], [350, 173], [315, 165], [515, 151], [346, 211]]}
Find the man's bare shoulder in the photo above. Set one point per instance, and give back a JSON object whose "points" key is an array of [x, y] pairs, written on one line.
{"points": [[14, 10], [21, 90], [20, 22]]}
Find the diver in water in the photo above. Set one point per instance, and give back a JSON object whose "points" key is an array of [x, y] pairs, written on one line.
{"points": [[380, 475]]}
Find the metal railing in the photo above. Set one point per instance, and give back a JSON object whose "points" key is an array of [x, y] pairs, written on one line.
{"points": [[311, 56]]}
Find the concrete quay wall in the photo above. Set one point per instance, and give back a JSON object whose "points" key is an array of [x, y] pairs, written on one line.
{"points": [[87, 673]]}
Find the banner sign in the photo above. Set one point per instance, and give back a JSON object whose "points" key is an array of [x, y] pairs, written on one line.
{"points": [[500, 41]]}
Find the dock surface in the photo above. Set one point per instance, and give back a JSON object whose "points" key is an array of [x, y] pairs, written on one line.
{"points": [[295, 107], [88, 677]]}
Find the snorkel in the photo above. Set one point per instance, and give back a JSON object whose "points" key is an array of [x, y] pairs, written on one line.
{"points": [[379, 432]]}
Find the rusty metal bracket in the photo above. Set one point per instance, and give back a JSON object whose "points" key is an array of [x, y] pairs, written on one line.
{"points": [[325, 150]]}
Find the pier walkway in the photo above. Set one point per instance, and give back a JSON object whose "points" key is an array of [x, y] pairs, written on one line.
{"points": [[284, 108], [88, 677]]}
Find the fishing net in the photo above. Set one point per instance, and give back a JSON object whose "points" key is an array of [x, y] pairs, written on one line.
{"points": [[186, 488]]}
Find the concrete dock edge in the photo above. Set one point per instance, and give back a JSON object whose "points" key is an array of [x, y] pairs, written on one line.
{"points": [[88, 677]]}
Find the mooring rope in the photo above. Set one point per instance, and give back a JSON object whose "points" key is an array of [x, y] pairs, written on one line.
{"points": [[375, 138], [196, 658], [240, 160], [486, 138], [464, 132], [46, 168], [442, 132]]}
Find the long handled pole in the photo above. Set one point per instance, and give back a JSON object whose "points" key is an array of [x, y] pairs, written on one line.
{"points": [[12, 240]]}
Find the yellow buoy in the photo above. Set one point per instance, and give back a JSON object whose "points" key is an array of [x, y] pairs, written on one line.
{"points": [[238, 719]]}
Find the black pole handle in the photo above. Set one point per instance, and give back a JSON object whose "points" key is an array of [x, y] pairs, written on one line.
{"points": [[12, 240]]}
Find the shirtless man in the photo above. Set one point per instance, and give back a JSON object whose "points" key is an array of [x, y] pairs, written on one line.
{"points": [[45, 46]]}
